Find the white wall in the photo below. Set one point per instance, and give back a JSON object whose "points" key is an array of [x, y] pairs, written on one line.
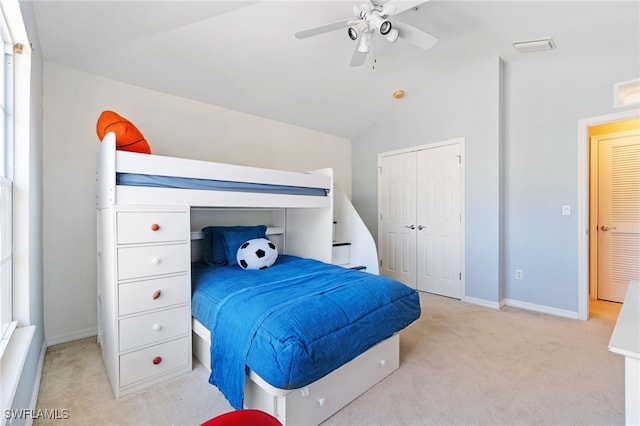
{"points": [[521, 166], [464, 103], [544, 102], [173, 126]]}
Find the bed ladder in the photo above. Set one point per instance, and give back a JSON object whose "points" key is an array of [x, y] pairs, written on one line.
{"points": [[353, 244]]}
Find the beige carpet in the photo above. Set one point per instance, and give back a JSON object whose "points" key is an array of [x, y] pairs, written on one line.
{"points": [[460, 365]]}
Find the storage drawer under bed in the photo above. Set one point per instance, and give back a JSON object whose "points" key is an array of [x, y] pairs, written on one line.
{"points": [[316, 402]]}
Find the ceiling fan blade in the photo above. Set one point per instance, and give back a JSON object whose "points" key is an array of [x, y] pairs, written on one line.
{"points": [[333, 26], [358, 58], [395, 7], [415, 36]]}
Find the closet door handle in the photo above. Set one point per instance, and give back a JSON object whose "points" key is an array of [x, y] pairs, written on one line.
{"points": [[606, 228], [420, 227], [410, 227]]}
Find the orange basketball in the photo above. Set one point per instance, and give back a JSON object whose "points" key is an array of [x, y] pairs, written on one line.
{"points": [[128, 137]]}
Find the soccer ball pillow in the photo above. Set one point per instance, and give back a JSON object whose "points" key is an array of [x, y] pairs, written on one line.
{"points": [[258, 253]]}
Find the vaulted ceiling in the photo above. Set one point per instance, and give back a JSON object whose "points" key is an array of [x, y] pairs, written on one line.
{"points": [[243, 55]]}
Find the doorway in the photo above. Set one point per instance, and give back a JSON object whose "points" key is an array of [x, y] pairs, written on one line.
{"points": [[614, 208], [584, 228]]}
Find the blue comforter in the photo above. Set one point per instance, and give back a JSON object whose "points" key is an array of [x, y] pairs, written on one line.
{"points": [[294, 322]]}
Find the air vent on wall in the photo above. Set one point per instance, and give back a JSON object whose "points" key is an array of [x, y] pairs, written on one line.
{"points": [[534, 45], [626, 93]]}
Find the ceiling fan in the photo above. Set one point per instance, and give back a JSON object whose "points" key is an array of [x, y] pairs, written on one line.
{"points": [[372, 18]]}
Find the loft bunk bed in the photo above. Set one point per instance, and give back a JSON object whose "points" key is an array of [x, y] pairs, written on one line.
{"points": [[126, 178], [144, 205]]}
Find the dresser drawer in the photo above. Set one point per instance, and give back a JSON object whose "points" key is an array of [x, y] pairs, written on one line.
{"points": [[151, 328], [142, 296], [151, 227], [154, 361], [143, 261]]}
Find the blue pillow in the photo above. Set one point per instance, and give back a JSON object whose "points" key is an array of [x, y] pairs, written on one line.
{"points": [[214, 247], [234, 238]]}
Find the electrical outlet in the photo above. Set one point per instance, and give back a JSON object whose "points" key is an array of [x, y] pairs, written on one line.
{"points": [[518, 274], [566, 210]]}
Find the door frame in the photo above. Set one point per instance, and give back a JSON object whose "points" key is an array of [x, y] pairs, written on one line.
{"points": [[594, 203], [455, 141], [583, 201]]}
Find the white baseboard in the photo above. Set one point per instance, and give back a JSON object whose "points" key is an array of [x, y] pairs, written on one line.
{"points": [[82, 334], [483, 302], [541, 308], [522, 305]]}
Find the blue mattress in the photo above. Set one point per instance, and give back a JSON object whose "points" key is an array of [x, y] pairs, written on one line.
{"points": [[294, 322], [157, 181]]}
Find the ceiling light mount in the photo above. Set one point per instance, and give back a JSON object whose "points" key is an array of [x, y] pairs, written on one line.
{"points": [[535, 45]]}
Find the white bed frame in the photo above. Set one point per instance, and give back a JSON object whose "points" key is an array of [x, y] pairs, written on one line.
{"points": [[307, 229], [312, 404], [112, 161]]}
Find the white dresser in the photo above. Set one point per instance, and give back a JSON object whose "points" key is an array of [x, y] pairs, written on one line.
{"points": [[144, 294], [625, 341]]}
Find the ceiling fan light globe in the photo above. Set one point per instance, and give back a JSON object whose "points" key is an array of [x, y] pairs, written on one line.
{"points": [[385, 27], [392, 36]]}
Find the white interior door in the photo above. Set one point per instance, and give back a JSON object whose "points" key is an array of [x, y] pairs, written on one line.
{"points": [[439, 220], [397, 224], [618, 214]]}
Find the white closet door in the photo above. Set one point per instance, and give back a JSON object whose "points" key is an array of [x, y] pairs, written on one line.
{"points": [[397, 234], [618, 214], [439, 221]]}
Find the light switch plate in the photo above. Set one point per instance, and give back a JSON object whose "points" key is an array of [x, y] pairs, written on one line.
{"points": [[566, 210]]}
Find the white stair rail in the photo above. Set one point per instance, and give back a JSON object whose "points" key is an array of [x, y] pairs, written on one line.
{"points": [[351, 228]]}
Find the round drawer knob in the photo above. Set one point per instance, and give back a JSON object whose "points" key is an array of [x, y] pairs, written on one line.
{"points": [[155, 227], [156, 294], [157, 327], [157, 360], [321, 401], [155, 260], [382, 362]]}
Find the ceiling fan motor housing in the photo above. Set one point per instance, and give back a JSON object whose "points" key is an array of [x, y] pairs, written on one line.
{"points": [[369, 18], [372, 18]]}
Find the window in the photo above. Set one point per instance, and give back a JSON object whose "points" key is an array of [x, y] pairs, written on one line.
{"points": [[6, 185]]}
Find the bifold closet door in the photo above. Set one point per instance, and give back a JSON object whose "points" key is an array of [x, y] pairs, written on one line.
{"points": [[438, 220], [420, 228], [397, 220]]}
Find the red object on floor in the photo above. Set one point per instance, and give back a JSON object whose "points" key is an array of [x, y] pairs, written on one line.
{"points": [[243, 418]]}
